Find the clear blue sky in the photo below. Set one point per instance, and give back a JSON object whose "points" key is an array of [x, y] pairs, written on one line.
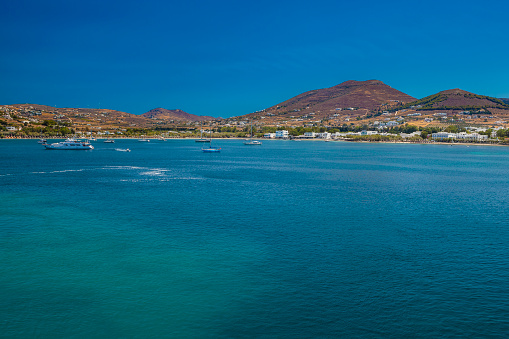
{"points": [[227, 58]]}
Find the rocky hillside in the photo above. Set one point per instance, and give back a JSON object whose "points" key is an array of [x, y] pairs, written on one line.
{"points": [[456, 99], [367, 95], [174, 114], [92, 118]]}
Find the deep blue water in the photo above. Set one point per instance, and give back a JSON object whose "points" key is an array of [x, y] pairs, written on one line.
{"points": [[284, 240]]}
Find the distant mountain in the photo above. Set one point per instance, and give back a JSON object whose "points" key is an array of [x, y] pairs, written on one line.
{"points": [[174, 114], [505, 100], [457, 99], [369, 95]]}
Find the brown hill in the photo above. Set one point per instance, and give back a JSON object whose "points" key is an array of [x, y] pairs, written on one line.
{"points": [[456, 99], [174, 114], [368, 95], [85, 118]]}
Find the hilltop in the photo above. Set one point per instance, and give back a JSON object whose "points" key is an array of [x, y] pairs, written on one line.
{"points": [[174, 114], [456, 99], [370, 104], [93, 119], [350, 95]]}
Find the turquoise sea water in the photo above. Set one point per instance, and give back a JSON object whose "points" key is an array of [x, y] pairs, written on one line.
{"points": [[284, 240]]}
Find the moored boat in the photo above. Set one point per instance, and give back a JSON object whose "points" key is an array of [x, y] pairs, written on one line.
{"points": [[201, 135], [253, 142], [250, 141], [211, 149], [70, 144]]}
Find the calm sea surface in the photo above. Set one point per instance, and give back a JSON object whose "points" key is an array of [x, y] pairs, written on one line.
{"points": [[284, 240]]}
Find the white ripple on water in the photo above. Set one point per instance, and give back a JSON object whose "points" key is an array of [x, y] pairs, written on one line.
{"points": [[155, 172], [61, 171], [159, 174], [146, 171]]}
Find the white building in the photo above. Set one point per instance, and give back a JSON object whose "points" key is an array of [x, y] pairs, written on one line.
{"points": [[369, 132], [471, 136], [443, 135], [392, 123], [325, 135], [410, 135], [269, 135], [309, 135], [459, 136], [339, 134], [283, 134]]}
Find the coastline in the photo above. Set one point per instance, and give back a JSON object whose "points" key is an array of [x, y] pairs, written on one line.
{"points": [[312, 140]]}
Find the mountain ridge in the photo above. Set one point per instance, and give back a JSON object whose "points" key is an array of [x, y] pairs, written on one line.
{"points": [[366, 95], [456, 99], [174, 114]]}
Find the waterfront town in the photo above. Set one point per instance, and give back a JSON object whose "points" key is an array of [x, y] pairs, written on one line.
{"points": [[29, 121], [353, 111]]}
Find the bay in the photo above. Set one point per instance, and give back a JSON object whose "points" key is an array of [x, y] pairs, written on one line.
{"points": [[288, 239]]}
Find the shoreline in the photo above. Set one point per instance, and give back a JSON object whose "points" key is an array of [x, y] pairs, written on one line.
{"points": [[312, 140]]}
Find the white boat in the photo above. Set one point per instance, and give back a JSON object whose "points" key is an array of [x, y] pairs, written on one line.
{"points": [[144, 140], [70, 144], [109, 141], [211, 149], [251, 141], [42, 141], [201, 135], [122, 150]]}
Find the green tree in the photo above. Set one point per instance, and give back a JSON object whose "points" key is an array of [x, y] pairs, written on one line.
{"points": [[452, 129]]}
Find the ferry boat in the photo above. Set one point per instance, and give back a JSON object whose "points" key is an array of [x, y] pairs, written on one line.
{"points": [[70, 144]]}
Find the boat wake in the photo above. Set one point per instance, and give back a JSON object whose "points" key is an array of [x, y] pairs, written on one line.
{"points": [[133, 173], [61, 171]]}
